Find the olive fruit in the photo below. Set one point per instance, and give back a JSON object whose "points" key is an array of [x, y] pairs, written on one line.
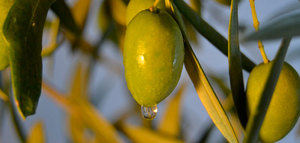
{"points": [[283, 110], [153, 56], [5, 5], [136, 6]]}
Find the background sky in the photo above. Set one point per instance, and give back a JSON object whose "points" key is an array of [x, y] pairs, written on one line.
{"points": [[115, 101]]}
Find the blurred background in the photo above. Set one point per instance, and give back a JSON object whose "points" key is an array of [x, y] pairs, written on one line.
{"points": [[107, 91]]}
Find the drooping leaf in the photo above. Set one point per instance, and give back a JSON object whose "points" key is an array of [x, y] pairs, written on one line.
{"points": [[36, 134], [144, 135], [256, 120], [283, 26], [235, 65], [170, 122], [23, 30], [204, 89], [209, 32]]}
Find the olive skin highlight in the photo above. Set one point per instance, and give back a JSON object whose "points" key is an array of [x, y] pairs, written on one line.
{"points": [[153, 56], [283, 111]]}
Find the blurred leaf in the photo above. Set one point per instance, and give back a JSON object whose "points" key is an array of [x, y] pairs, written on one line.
{"points": [[221, 83], [23, 30], [284, 26], [287, 9], [80, 12], [78, 107], [170, 122], [76, 130], [36, 134], [79, 85], [118, 11], [5, 6], [61, 9], [204, 138], [54, 28], [224, 2], [204, 89], [145, 135], [294, 54], [209, 32], [196, 5], [3, 96], [256, 120], [235, 66]]}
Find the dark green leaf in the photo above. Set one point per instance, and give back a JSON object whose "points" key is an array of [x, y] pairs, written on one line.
{"points": [[23, 30], [235, 65], [255, 121], [209, 32], [284, 26]]}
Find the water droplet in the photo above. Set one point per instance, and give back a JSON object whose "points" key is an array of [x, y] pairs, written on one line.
{"points": [[149, 112], [33, 24]]}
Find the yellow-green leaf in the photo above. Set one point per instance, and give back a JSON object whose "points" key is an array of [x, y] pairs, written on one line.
{"points": [[170, 122], [205, 91], [89, 116], [80, 12], [36, 134], [144, 135]]}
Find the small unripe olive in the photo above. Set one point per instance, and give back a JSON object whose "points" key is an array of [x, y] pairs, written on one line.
{"points": [[5, 5], [284, 107], [153, 56]]}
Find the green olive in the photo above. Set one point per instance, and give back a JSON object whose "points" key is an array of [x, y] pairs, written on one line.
{"points": [[5, 5], [153, 56], [136, 6], [284, 107]]}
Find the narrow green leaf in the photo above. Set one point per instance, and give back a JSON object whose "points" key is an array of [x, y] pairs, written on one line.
{"points": [[61, 9], [23, 30], [209, 32], [208, 96], [235, 65], [205, 92], [256, 120], [284, 26]]}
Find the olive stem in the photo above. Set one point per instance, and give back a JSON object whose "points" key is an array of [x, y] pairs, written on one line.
{"points": [[256, 26]]}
